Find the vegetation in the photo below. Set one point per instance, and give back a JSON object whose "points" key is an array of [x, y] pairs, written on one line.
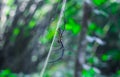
{"points": [[86, 44]]}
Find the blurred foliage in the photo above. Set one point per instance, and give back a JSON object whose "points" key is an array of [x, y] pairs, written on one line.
{"points": [[99, 2], [73, 26], [7, 73], [88, 73], [103, 49]]}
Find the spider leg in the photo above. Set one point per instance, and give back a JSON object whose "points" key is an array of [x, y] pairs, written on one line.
{"points": [[62, 53], [60, 32]]}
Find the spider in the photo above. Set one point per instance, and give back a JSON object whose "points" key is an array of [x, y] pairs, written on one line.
{"points": [[60, 35]]}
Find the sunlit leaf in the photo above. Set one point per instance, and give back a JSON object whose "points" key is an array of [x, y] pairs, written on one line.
{"points": [[68, 27], [88, 73], [76, 29], [98, 2], [10, 2], [73, 26], [32, 24]]}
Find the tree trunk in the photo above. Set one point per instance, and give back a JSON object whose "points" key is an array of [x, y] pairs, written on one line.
{"points": [[80, 58]]}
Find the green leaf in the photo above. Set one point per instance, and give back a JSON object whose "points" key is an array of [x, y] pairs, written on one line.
{"points": [[88, 73], [10, 2], [91, 60], [32, 24], [105, 57], [118, 72], [16, 31], [68, 27], [76, 29], [99, 31], [111, 54], [48, 36], [113, 8], [70, 10], [5, 72], [13, 75], [73, 26], [98, 2], [115, 54], [92, 26]]}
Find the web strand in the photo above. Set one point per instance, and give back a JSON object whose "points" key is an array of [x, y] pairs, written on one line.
{"points": [[51, 47]]}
